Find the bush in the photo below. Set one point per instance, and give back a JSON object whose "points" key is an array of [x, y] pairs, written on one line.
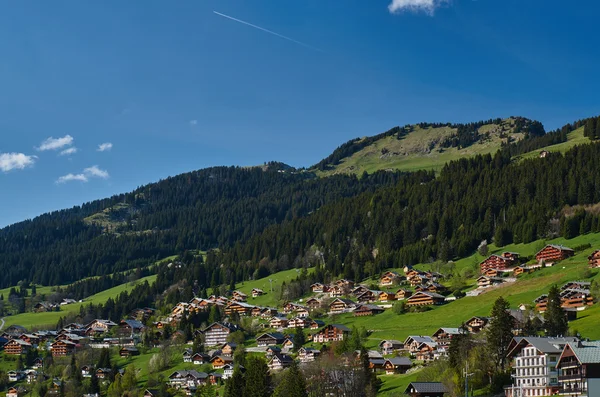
{"points": [[400, 307]]}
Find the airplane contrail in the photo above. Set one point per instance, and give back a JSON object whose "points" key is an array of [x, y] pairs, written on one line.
{"points": [[270, 32]]}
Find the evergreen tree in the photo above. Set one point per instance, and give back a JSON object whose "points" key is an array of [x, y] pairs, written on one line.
{"points": [[372, 382], [239, 355], [214, 315], [499, 332], [94, 384], [258, 380], [555, 319], [235, 386], [299, 338], [293, 383]]}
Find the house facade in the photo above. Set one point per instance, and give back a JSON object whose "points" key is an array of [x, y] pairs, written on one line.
{"points": [[553, 253]]}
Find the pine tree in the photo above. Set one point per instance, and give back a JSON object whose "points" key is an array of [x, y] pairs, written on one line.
{"points": [[299, 338], [293, 384], [555, 319], [499, 332], [235, 386], [258, 380]]}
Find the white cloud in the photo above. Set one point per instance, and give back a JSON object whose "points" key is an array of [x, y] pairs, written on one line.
{"points": [[427, 6], [94, 171], [193, 122], [56, 143], [15, 161], [90, 172], [72, 177], [106, 146], [66, 152]]}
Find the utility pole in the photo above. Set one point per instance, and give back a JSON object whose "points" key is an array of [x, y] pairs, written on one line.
{"points": [[467, 374]]}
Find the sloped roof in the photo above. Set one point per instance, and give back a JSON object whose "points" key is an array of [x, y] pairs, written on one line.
{"points": [[426, 387], [543, 345], [399, 361], [587, 352]]}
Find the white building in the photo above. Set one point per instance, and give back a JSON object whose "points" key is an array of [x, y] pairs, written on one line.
{"points": [[534, 361]]}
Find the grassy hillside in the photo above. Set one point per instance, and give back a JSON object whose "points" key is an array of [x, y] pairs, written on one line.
{"points": [[574, 138], [42, 320], [421, 150], [271, 297]]}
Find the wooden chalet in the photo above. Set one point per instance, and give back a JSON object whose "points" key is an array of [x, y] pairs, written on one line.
{"points": [[389, 278], [131, 327], [341, 305], [256, 311], [443, 336], [435, 287], [299, 322], [496, 262], [403, 293], [63, 347], [485, 281], [426, 351], [217, 333], [385, 296], [390, 346], [359, 289], [425, 299], [280, 361], [318, 288], [476, 324], [239, 296], [344, 283], [594, 259], [552, 253], [38, 363], [256, 292], [86, 371], [368, 296], [129, 351], [426, 389], [240, 308], [331, 333], [575, 298], [270, 339], [278, 322], [367, 310], [397, 365], [16, 347], [335, 291], [228, 348], [522, 269], [33, 340], [103, 373], [16, 391], [307, 355], [290, 307], [413, 343], [200, 358], [313, 303], [220, 361], [301, 312], [288, 344], [316, 324], [42, 307], [418, 279], [579, 368]]}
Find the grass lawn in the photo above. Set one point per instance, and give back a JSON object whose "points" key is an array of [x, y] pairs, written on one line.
{"points": [[41, 320], [574, 138], [395, 384], [269, 299]]}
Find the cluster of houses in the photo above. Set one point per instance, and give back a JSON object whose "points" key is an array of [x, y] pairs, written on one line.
{"points": [[45, 306], [574, 296]]}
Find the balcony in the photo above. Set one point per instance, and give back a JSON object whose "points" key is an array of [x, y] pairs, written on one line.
{"points": [[573, 390], [564, 377]]}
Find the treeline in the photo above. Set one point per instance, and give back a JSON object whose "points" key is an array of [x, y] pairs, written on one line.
{"points": [[215, 207], [421, 218], [592, 128]]}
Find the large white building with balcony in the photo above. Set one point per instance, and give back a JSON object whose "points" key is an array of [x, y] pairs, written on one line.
{"points": [[534, 361]]}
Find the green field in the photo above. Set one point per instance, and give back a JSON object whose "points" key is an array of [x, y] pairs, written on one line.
{"points": [[41, 320], [573, 139], [271, 297]]}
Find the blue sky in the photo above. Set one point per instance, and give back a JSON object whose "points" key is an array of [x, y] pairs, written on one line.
{"points": [[175, 87]]}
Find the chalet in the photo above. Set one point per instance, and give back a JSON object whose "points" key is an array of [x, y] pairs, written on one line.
{"points": [[15, 330], [142, 314], [580, 285], [86, 371], [256, 311], [128, 351], [215, 378], [389, 278], [511, 255], [280, 361], [16, 391], [576, 298], [217, 333], [42, 307], [31, 375], [278, 322], [443, 336], [331, 333], [228, 371], [313, 303], [425, 299], [336, 291], [376, 363], [358, 290], [271, 350], [316, 324], [240, 308], [344, 283], [493, 272], [551, 254], [397, 365], [103, 373], [228, 348], [63, 347], [496, 262], [341, 305], [200, 358], [386, 296], [367, 310], [187, 379], [198, 305], [307, 355], [290, 307], [403, 293], [256, 292], [413, 342], [522, 269], [418, 279], [270, 339], [98, 327], [594, 259], [485, 281], [288, 344], [368, 296], [435, 287], [33, 340], [434, 276], [239, 296], [421, 288], [131, 327], [15, 376], [476, 324], [301, 311], [390, 346], [426, 389], [318, 288], [579, 367], [38, 363], [299, 322], [268, 312], [220, 361], [16, 347]]}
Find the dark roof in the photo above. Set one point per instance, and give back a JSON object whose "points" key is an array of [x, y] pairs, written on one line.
{"points": [[400, 361], [341, 327], [426, 387]]}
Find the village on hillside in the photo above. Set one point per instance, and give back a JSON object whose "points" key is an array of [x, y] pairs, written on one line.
{"points": [[303, 332]]}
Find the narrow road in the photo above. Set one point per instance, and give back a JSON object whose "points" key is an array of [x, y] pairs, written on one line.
{"points": [[1, 323]]}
